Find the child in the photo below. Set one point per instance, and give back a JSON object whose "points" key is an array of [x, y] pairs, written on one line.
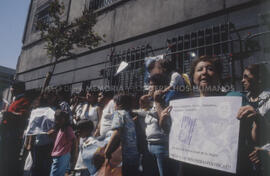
{"points": [[64, 142], [124, 132], [91, 154], [84, 130], [149, 166]]}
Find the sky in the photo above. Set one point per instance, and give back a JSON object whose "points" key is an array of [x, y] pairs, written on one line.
{"points": [[13, 14]]}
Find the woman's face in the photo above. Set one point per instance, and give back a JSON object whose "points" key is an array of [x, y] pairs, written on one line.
{"points": [[152, 89], [205, 75], [91, 98], [100, 97], [248, 80]]}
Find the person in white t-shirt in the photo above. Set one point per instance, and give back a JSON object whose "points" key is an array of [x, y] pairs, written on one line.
{"points": [[90, 109], [77, 107], [105, 101]]}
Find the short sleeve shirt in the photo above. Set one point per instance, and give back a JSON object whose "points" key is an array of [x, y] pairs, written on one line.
{"points": [[122, 120], [92, 115], [63, 142], [107, 118]]}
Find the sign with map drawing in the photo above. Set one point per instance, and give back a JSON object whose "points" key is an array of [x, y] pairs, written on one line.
{"points": [[205, 132]]}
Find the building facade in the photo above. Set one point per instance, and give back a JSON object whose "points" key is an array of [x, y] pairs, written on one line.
{"points": [[235, 30], [6, 78]]}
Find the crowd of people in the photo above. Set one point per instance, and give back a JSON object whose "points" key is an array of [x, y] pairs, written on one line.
{"points": [[102, 132]]}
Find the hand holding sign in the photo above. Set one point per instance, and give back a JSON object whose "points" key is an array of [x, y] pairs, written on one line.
{"points": [[205, 132]]}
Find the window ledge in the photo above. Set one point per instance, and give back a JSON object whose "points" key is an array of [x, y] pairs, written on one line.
{"points": [[109, 7]]}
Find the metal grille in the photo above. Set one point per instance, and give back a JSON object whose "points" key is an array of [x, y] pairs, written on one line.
{"points": [[211, 41], [216, 40], [98, 4], [132, 78]]}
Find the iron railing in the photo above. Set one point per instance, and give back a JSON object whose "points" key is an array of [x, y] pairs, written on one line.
{"points": [[133, 77], [99, 4], [215, 40], [212, 41]]}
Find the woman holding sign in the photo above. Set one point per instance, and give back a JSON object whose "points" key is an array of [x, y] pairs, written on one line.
{"points": [[206, 75]]}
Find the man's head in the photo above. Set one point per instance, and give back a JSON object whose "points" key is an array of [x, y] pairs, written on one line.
{"points": [[61, 118], [104, 97], [123, 102]]}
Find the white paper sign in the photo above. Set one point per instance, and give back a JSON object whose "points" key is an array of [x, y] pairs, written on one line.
{"points": [[123, 65], [205, 132], [41, 121]]}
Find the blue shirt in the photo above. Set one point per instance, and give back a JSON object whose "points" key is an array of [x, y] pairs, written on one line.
{"points": [[122, 121]]}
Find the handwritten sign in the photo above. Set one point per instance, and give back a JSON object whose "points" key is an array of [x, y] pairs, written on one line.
{"points": [[205, 132]]}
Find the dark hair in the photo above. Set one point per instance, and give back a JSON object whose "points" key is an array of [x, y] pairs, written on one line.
{"points": [[63, 93], [108, 94], [59, 114], [85, 124], [151, 66], [159, 79], [213, 60], [93, 90], [123, 101], [82, 93], [167, 65], [260, 73]]}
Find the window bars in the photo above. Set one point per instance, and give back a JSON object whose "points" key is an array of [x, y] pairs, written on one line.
{"points": [[99, 4], [216, 40], [212, 41], [132, 78], [42, 15]]}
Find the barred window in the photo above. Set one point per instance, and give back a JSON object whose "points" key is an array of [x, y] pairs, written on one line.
{"points": [[216, 40], [42, 15], [131, 79], [213, 41], [99, 4]]}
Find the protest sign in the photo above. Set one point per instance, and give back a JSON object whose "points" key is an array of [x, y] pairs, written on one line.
{"points": [[205, 132], [41, 121]]}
